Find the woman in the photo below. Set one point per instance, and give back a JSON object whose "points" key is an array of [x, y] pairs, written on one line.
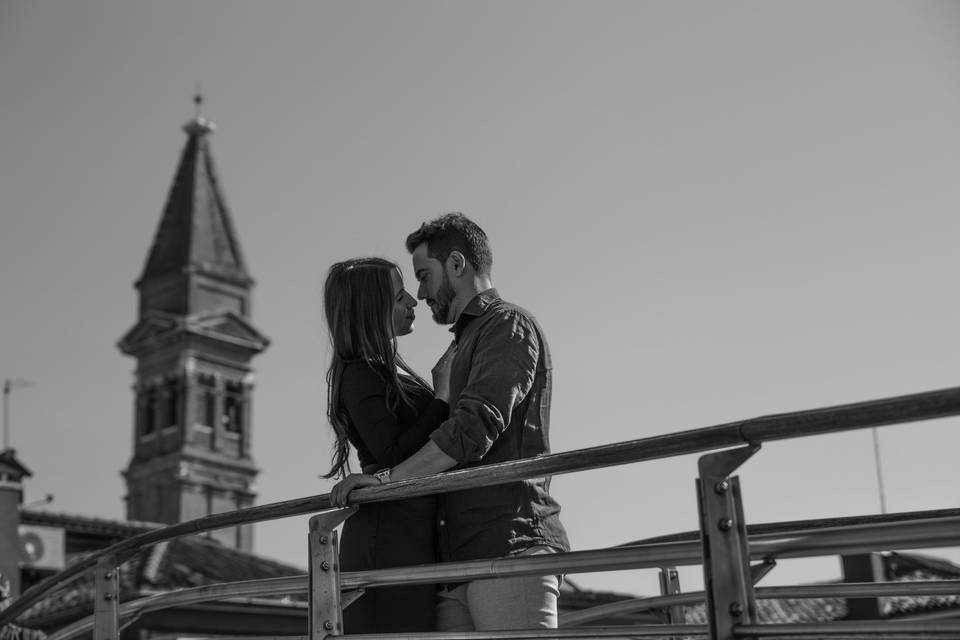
{"points": [[377, 404]]}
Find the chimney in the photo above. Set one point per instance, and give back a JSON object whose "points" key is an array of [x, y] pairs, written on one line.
{"points": [[12, 473], [864, 567]]}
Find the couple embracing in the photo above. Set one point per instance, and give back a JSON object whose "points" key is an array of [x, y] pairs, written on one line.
{"points": [[489, 403]]}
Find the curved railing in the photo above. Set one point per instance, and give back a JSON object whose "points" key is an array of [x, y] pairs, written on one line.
{"points": [[647, 556], [713, 550]]}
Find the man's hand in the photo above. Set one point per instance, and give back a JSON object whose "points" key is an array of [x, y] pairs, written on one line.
{"points": [[341, 490]]}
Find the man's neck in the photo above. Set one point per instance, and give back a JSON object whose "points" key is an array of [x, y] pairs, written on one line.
{"points": [[478, 284]]}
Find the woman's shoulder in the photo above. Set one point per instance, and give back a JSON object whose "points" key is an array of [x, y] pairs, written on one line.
{"points": [[361, 374]]}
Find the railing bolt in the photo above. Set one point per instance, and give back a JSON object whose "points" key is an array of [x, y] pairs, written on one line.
{"points": [[722, 486], [736, 609], [325, 565], [725, 524], [108, 596], [328, 625]]}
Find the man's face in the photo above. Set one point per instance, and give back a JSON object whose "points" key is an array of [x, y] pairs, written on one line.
{"points": [[434, 286]]}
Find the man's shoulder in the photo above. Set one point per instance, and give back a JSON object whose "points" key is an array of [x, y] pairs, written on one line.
{"points": [[503, 315], [505, 309]]}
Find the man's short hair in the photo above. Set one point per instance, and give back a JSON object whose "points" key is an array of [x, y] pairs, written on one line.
{"points": [[454, 232]]}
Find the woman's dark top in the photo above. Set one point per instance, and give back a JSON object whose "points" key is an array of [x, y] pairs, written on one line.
{"points": [[389, 534]]}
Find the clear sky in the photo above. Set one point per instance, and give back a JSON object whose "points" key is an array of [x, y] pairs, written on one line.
{"points": [[716, 210]]}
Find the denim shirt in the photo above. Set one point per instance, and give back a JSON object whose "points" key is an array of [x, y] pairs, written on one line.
{"points": [[500, 385]]}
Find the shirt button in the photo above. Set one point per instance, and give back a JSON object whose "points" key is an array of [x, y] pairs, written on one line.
{"points": [[443, 522]]}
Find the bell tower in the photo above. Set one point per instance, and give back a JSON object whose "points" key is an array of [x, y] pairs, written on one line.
{"points": [[193, 343]]}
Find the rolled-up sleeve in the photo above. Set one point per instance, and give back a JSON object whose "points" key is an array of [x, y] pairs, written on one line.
{"points": [[502, 370]]}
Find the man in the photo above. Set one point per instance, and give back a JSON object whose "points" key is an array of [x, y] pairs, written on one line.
{"points": [[500, 384]]}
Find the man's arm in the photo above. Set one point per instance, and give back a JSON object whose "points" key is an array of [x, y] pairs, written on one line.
{"points": [[503, 367], [425, 462]]}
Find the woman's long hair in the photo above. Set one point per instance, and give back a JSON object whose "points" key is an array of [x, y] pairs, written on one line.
{"points": [[358, 304]]}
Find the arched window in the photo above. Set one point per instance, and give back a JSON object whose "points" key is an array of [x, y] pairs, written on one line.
{"points": [[207, 399], [172, 417], [148, 417], [233, 408]]}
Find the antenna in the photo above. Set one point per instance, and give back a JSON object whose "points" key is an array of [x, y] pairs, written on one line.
{"points": [[10, 384], [47, 499]]}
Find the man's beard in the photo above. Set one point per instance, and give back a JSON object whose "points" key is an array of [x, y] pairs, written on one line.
{"points": [[442, 302]]}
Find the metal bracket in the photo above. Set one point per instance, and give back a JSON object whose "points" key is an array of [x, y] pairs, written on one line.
{"points": [[669, 586], [347, 598], [326, 616], [106, 619], [761, 569], [727, 576]]}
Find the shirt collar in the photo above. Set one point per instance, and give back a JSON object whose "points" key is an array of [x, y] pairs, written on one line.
{"points": [[477, 305]]}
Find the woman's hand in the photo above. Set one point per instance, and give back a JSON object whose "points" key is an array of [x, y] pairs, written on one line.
{"points": [[341, 490], [441, 373]]}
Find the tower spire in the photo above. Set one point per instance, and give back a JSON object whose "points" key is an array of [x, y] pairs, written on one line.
{"points": [[196, 232]]}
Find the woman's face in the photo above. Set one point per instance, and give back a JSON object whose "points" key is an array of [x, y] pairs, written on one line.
{"points": [[403, 304]]}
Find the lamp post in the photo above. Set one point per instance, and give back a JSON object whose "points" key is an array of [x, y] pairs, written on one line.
{"points": [[8, 385]]}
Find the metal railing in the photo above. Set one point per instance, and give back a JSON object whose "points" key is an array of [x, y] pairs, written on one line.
{"points": [[724, 548]]}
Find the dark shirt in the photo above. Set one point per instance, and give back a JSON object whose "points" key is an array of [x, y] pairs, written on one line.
{"points": [[500, 385]]}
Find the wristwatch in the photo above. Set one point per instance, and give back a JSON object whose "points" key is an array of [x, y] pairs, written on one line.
{"points": [[383, 475]]}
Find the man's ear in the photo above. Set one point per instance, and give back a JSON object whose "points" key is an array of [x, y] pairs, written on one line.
{"points": [[457, 262]]}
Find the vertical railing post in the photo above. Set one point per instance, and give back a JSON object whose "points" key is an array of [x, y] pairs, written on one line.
{"points": [[106, 607], [726, 558], [670, 586], [326, 616]]}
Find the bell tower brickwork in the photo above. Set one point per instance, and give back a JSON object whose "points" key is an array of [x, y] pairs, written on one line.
{"points": [[193, 343]]}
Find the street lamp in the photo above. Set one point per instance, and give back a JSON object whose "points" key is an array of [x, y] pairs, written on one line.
{"points": [[8, 385]]}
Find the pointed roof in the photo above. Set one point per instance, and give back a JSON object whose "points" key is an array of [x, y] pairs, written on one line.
{"points": [[196, 232], [9, 461]]}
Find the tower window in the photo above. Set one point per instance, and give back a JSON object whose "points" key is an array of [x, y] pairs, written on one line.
{"points": [[207, 397], [172, 418], [233, 408], [149, 418]]}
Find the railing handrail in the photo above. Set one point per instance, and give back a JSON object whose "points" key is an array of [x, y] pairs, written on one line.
{"points": [[872, 413]]}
